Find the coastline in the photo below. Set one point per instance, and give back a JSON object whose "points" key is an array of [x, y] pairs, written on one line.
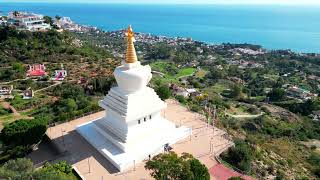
{"points": [[227, 23]]}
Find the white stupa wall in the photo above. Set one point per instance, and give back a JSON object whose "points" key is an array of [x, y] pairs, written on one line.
{"points": [[133, 127]]}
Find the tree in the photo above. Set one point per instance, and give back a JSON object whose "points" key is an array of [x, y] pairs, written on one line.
{"points": [[182, 57], [199, 171], [22, 168], [277, 94], [16, 13], [314, 159], [70, 105], [17, 169], [215, 74], [61, 166], [239, 156], [160, 51], [234, 70], [24, 132], [163, 92], [236, 91], [48, 20], [57, 17], [306, 107], [101, 85], [181, 99], [171, 166]]}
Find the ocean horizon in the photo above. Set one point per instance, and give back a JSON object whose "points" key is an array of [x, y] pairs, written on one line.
{"points": [[274, 27]]}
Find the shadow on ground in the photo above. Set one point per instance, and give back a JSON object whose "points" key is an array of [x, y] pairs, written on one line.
{"points": [[71, 147]]}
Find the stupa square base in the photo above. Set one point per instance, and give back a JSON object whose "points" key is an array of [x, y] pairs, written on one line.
{"points": [[148, 145]]}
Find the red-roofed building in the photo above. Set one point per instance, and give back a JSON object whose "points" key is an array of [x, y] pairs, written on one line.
{"points": [[36, 70]]}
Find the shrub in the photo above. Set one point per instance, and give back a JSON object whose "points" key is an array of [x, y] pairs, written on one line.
{"points": [[24, 132], [235, 178], [277, 94], [163, 92], [239, 156], [61, 166], [181, 99], [171, 166]]}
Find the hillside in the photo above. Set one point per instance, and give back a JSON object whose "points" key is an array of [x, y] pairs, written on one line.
{"points": [[275, 132], [51, 48]]}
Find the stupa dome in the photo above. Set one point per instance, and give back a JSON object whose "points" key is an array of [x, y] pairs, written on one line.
{"points": [[133, 79], [131, 76]]}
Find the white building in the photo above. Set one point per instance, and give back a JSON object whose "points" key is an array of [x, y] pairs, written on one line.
{"points": [[3, 21], [133, 128], [6, 91], [60, 74], [28, 94], [27, 21]]}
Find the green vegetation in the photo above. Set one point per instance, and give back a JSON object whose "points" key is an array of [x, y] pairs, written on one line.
{"points": [[37, 47], [171, 166], [201, 73], [225, 79], [163, 92], [24, 132], [17, 138], [4, 111], [73, 102], [240, 156], [21, 104], [171, 71], [20, 169], [17, 71], [277, 94], [235, 178], [314, 159]]}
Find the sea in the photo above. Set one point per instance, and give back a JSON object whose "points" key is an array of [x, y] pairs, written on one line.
{"points": [[274, 27]]}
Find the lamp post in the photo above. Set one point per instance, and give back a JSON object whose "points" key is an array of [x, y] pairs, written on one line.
{"points": [[134, 165], [64, 144], [211, 148], [89, 165]]}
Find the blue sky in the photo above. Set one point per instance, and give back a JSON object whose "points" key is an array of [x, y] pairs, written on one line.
{"points": [[294, 2]]}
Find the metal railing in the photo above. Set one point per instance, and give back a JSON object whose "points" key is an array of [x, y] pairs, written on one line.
{"points": [[74, 118]]}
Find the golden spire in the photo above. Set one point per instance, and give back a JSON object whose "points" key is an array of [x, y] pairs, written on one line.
{"points": [[131, 56]]}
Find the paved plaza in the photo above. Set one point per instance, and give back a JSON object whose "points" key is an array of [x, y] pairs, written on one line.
{"points": [[203, 144]]}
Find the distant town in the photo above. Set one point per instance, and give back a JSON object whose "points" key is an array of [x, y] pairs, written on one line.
{"points": [[243, 110]]}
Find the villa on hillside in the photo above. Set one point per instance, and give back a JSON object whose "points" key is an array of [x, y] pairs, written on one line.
{"points": [[2, 20], [66, 23], [36, 70], [5, 91], [27, 21], [179, 91], [60, 74], [28, 94], [300, 93]]}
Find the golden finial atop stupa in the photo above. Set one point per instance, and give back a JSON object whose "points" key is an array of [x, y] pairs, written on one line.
{"points": [[131, 56]]}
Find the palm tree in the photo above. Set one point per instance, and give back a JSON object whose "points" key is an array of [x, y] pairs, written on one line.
{"points": [[16, 13]]}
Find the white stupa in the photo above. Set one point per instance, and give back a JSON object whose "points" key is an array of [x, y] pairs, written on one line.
{"points": [[133, 127]]}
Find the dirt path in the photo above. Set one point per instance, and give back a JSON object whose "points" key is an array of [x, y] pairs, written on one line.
{"points": [[56, 83], [7, 105], [3, 83], [251, 116]]}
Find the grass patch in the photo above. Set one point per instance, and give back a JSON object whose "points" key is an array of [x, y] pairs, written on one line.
{"points": [[21, 104], [171, 72], [11, 118], [219, 87], [184, 72]]}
